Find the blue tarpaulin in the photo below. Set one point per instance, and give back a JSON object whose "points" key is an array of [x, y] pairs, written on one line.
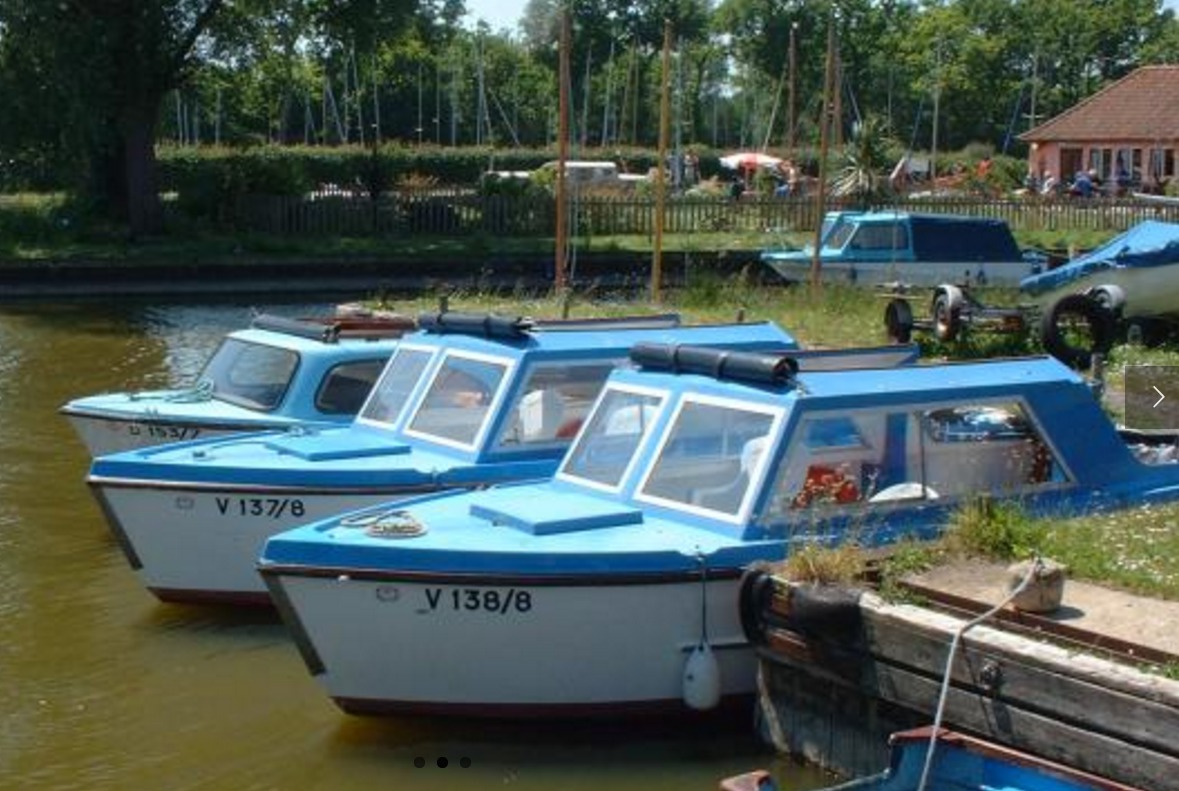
{"points": [[1150, 243]]}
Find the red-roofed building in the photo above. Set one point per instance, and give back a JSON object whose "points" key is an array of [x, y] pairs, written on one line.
{"points": [[1127, 133]]}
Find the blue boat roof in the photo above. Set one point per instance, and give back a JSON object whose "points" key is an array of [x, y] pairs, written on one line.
{"points": [[1148, 244], [939, 237], [393, 453]]}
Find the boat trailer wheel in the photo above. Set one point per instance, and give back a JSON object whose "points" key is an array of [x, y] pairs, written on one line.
{"points": [[947, 313], [898, 320]]}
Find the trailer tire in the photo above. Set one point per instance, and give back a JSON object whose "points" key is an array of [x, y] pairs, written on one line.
{"points": [[947, 313], [1101, 330], [898, 321]]}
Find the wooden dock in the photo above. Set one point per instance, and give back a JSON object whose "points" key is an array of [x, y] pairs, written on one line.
{"points": [[840, 672]]}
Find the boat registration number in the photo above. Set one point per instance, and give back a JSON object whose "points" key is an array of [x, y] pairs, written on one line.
{"points": [[170, 433], [264, 507], [491, 600]]}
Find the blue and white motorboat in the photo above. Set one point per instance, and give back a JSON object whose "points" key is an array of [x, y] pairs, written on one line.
{"points": [[614, 586], [959, 762], [1131, 274], [469, 401], [276, 373], [882, 247]]}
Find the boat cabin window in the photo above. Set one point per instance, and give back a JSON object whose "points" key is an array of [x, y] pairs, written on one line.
{"points": [[839, 235], [346, 386], [552, 403], [874, 456], [606, 448], [985, 448], [401, 375], [458, 400], [710, 455], [883, 236], [252, 375]]}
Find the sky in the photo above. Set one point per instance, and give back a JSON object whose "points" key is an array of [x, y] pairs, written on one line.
{"points": [[506, 13], [501, 13]]}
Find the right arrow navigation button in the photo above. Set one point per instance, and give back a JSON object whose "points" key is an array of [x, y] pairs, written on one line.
{"points": [[1147, 404]]}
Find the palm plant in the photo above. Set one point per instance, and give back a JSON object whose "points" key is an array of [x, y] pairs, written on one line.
{"points": [[861, 177]]}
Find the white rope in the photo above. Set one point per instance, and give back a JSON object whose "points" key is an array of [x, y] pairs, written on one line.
{"points": [[1035, 569]]}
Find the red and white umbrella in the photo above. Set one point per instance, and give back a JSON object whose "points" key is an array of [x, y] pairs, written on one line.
{"points": [[749, 160]]}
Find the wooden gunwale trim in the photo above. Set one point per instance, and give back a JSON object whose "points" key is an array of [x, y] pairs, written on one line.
{"points": [[1026, 622]]}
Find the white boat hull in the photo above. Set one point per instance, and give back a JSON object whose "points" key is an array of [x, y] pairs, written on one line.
{"points": [[103, 435], [396, 645], [202, 546], [1149, 290], [916, 273]]}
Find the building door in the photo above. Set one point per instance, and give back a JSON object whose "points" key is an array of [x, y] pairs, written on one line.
{"points": [[1070, 162]]}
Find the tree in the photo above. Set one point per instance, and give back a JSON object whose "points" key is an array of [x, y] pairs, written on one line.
{"points": [[106, 66]]}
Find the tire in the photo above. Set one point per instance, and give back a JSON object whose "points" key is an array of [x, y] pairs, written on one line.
{"points": [[825, 611], [898, 321], [753, 602], [1101, 330], [947, 313]]}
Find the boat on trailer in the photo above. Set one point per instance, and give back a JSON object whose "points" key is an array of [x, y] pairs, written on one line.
{"points": [[885, 247], [960, 762], [466, 402], [277, 373], [613, 587]]}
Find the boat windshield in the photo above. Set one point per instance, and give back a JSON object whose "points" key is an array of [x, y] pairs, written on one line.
{"points": [[710, 456], [251, 375], [606, 447], [401, 376], [837, 237], [458, 401]]}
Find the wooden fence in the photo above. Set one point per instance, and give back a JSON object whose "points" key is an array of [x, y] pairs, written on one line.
{"points": [[465, 213]]}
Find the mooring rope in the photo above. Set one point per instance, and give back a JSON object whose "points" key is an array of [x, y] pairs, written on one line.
{"points": [[1036, 567]]}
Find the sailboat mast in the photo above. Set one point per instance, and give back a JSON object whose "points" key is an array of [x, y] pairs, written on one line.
{"points": [[560, 276]]}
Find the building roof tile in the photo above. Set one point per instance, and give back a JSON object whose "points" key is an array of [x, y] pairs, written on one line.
{"points": [[1142, 106]]}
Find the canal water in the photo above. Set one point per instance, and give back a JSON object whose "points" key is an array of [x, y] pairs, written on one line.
{"points": [[103, 687]]}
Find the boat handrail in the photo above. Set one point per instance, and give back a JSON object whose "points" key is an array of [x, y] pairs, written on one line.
{"points": [[760, 367], [653, 321], [331, 330]]}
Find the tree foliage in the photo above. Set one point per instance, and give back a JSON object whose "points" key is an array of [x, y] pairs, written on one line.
{"points": [[92, 85]]}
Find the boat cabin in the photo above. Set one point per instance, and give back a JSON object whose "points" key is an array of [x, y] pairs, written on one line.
{"points": [[921, 249], [276, 373]]}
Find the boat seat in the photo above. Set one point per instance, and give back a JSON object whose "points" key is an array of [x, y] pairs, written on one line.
{"points": [[727, 497], [540, 415], [630, 420]]}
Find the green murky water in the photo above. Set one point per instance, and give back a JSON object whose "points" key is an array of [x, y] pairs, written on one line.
{"points": [[103, 687]]}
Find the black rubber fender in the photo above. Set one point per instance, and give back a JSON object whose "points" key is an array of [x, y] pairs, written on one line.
{"points": [[830, 611], [754, 596], [898, 320], [1101, 323]]}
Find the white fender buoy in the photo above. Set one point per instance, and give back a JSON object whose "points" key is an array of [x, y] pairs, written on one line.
{"points": [[702, 679]]}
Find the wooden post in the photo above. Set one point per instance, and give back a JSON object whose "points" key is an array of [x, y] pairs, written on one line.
{"points": [[661, 166], [791, 122], [824, 144], [559, 279]]}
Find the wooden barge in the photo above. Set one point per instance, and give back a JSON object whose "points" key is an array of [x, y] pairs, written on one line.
{"points": [[841, 669]]}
